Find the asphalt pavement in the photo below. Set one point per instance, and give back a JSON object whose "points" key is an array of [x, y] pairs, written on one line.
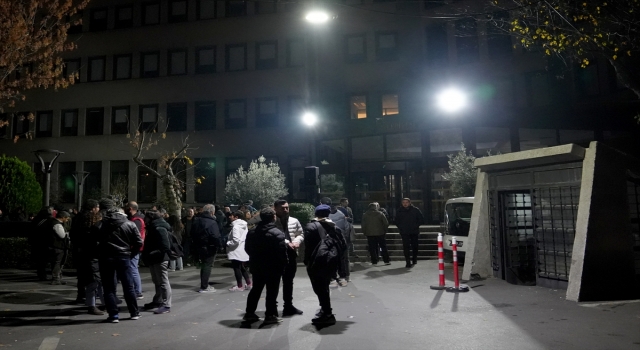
{"points": [[384, 307]]}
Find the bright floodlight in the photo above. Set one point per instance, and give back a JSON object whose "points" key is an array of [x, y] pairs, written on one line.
{"points": [[317, 17], [309, 119], [451, 100]]}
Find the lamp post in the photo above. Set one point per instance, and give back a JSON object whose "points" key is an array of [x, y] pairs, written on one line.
{"points": [[451, 100], [80, 176], [46, 168]]}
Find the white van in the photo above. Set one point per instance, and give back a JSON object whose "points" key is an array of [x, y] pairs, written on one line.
{"points": [[457, 218]]}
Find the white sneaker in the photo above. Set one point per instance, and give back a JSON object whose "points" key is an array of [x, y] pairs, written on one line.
{"points": [[236, 289], [208, 290], [333, 284]]}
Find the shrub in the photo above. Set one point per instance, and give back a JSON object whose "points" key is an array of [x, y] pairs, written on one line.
{"points": [[263, 183], [304, 212], [19, 188], [15, 252], [462, 174]]}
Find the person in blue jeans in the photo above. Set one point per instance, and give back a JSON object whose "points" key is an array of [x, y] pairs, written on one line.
{"points": [[119, 239], [131, 209]]}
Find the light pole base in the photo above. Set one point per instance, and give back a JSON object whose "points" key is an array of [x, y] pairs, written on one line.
{"points": [[463, 288]]}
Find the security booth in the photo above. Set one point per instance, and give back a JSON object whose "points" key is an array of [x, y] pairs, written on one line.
{"points": [[560, 217]]}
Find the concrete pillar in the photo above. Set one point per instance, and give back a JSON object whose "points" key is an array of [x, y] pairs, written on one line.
{"points": [[478, 256], [133, 181]]}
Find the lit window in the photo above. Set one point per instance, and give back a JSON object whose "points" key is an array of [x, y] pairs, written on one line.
{"points": [[390, 104], [358, 105]]}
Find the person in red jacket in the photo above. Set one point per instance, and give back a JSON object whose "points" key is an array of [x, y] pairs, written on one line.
{"points": [[131, 209]]}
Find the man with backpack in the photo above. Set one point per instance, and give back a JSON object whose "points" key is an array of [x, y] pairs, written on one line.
{"points": [[324, 248]]}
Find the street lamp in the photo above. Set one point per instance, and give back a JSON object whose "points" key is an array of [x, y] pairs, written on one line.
{"points": [[309, 119], [317, 17], [80, 176], [451, 100], [46, 168]]}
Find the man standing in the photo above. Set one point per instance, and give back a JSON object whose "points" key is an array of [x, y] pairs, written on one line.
{"points": [[408, 220], [268, 259], [187, 222], [156, 255], [205, 237], [293, 237], [138, 219], [315, 231], [374, 226], [118, 240], [58, 245]]}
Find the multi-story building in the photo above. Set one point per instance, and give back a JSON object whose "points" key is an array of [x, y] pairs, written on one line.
{"points": [[236, 76]]}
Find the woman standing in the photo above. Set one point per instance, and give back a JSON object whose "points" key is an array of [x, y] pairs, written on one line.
{"points": [[236, 253]]}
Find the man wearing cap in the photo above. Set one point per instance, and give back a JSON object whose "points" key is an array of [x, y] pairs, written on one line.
{"points": [[58, 245], [313, 235], [119, 239]]}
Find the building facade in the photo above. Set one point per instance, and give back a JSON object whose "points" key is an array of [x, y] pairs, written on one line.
{"points": [[236, 76]]}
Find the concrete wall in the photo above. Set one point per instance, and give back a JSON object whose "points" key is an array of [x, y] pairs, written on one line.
{"points": [[478, 258]]}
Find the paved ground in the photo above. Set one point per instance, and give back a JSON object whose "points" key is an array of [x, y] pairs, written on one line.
{"points": [[386, 307]]}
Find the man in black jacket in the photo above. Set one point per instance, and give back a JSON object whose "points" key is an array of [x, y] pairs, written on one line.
{"points": [[118, 240], [205, 237], [408, 220], [268, 258], [156, 256]]}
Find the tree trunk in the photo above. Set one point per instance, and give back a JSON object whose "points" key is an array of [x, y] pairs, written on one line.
{"points": [[171, 191], [625, 78]]}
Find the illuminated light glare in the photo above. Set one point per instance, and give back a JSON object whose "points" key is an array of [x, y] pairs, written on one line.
{"points": [[451, 100], [309, 119], [317, 17]]}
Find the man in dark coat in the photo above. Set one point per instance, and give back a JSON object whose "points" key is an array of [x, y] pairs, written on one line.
{"points": [[313, 234], [118, 240], [156, 256], [38, 241], [408, 220], [205, 242], [268, 258]]}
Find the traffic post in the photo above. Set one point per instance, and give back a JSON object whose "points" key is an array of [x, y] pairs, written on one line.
{"points": [[457, 288]]}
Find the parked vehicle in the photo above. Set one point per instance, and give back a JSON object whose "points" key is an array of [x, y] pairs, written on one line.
{"points": [[457, 219]]}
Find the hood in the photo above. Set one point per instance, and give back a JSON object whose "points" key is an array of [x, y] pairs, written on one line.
{"points": [[325, 221], [239, 223], [159, 222], [114, 218]]}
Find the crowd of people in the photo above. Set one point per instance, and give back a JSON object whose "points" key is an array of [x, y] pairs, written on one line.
{"points": [[109, 243]]}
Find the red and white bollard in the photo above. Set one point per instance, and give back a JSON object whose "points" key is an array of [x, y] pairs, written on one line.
{"points": [[441, 284], [458, 288]]}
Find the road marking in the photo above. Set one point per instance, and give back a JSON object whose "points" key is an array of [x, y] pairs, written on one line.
{"points": [[49, 343]]}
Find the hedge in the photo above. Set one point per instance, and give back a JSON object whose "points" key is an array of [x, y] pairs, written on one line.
{"points": [[15, 252]]}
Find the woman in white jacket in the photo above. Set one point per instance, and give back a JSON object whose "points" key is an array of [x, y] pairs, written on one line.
{"points": [[236, 253]]}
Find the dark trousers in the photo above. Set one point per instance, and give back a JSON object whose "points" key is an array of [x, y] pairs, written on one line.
{"points": [[376, 243], [58, 257], [119, 267], [320, 285], [343, 268], [287, 278], [205, 271], [260, 280], [410, 247], [240, 271]]}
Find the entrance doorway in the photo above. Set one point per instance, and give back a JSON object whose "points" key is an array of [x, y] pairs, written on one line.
{"points": [[386, 188]]}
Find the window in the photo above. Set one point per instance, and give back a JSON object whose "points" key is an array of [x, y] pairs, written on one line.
{"points": [[149, 67], [75, 22], [122, 66], [437, 45], [72, 67], [205, 59], [538, 89], [386, 46], [43, 124], [296, 108], [390, 104], [147, 183], [355, 50], [148, 117], [119, 175], [21, 123], [178, 11], [93, 182], [404, 146], [504, 93], [358, 106], [177, 116], [233, 164], [236, 57], [94, 121], [235, 8], [69, 122], [235, 114], [67, 184], [96, 68], [494, 140], [150, 13], [367, 148], [265, 7], [295, 53], [120, 120], [445, 141], [499, 42], [177, 62], [205, 115], [587, 81], [267, 55], [205, 172], [537, 138], [267, 112], [467, 41], [124, 16], [206, 9], [4, 122], [98, 20]]}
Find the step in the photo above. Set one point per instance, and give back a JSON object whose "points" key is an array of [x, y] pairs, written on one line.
{"points": [[363, 246], [394, 228]]}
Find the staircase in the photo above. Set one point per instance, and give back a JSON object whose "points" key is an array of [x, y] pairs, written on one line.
{"points": [[427, 244]]}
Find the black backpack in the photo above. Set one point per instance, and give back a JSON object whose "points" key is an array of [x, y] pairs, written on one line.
{"points": [[328, 253], [176, 249]]}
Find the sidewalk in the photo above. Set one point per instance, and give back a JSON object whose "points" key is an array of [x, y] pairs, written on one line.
{"points": [[384, 307]]}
